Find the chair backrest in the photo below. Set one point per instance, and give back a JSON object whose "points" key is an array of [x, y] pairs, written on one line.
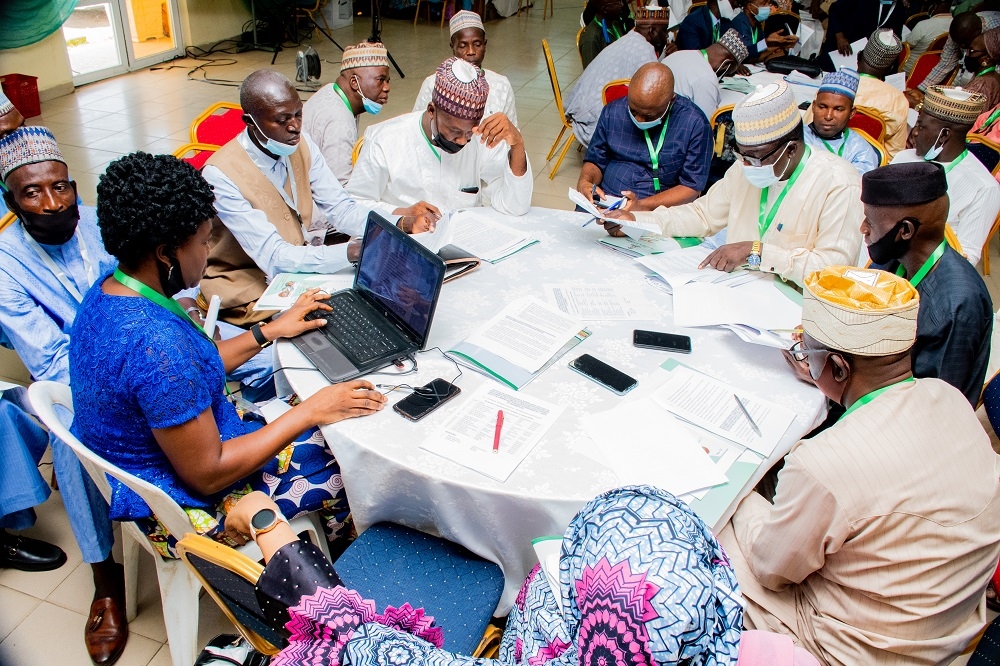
{"points": [[554, 80], [870, 120], [696, 5], [218, 124], [939, 42], [579, 34], [7, 220], [952, 238], [986, 151], [614, 90], [883, 155], [356, 151], [915, 19], [904, 55], [44, 396], [195, 154], [230, 577], [721, 122], [922, 67]]}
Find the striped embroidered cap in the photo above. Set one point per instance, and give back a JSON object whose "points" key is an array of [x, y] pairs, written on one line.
{"points": [[766, 115], [460, 89], [365, 54], [733, 43], [843, 82], [27, 145], [652, 13], [465, 19], [882, 49], [953, 105]]}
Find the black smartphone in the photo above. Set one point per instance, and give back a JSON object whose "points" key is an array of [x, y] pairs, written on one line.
{"points": [[420, 403], [603, 374], [661, 341]]}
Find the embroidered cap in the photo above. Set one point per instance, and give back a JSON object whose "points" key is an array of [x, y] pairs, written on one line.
{"points": [[732, 42], [992, 39], [905, 184], [460, 89], [365, 54], [465, 19], [882, 49], [27, 145], [6, 106], [953, 105], [653, 14], [860, 311], [765, 115], [843, 82]]}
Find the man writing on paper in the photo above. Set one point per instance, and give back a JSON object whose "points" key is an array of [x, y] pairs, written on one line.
{"points": [[277, 201], [697, 73], [447, 156], [468, 42], [653, 146], [906, 206], [330, 117], [789, 210], [882, 534], [945, 119], [832, 109]]}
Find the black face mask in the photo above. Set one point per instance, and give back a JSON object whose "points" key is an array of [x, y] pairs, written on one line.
{"points": [[971, 64], [444, 144], [49, 228], [171, 279], [887, 248]]}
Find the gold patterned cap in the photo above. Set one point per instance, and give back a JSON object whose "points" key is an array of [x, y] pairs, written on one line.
{"points": [[954, 105], [860, 311], [652, 13], [365, 54], [765, 115]]}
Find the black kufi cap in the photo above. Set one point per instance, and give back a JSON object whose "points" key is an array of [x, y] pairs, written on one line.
{"points": [[906, 184]]}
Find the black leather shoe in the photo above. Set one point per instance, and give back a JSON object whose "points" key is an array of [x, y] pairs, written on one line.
{"points": [[26, 554]]}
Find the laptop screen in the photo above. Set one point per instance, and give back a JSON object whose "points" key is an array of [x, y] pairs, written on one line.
{"points": [[400, 275]]}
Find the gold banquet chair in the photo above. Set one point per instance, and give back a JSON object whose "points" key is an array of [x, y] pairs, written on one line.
{"points": [[557, 94]]}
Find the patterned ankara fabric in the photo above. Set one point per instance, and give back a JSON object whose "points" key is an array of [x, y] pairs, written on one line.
{"points": [[460, 89], [27, 145], [365, 54]]}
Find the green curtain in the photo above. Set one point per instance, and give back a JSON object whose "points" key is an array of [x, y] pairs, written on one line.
{"points": [[24, 22]]}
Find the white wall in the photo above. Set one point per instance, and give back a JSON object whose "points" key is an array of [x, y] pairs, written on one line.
{"points": [[47, 60]]}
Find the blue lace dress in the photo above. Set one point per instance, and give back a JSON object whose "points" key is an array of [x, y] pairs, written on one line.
{"points": [[136, 367]]}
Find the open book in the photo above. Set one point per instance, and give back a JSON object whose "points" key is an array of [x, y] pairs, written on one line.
{"points": [[475, 235]]}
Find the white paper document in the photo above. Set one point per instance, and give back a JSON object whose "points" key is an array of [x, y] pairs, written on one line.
{"points": [[758, 304], [711, 404], [631, 228], [803, 33], [644, 444], [897, 81], [851, 61], [475, 234], [467, 436], [286, 288], [528, 332], [681, 266], [598, 302]]}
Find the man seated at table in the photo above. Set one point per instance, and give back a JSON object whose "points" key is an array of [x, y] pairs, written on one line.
{"points": [[832, 109], [927, 31], [646, 43], [906, 206], [750, 24], [704, 25], [330, 116], [945, 119], [881, 536], [697, 73], [964, 28], [875, 60], [278, 202], [653, 146], [468, 42], [448, 156], [788, 210]]}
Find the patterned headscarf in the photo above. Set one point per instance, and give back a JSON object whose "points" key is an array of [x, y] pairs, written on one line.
{"points": [[992, 39], [460, 89], [645, 581]]}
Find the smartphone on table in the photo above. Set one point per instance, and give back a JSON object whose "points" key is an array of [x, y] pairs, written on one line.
{"points": [[420, 403], [596, 370], [661, 341]]}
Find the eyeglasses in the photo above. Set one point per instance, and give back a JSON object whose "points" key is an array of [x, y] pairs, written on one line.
{"points": [[803, 354], [754, 161]]}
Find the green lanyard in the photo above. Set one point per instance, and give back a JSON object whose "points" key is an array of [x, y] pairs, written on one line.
{"points": [[989, 121], [704, 52], [926, 268], [753, 36], [987, 71], [654, 154], [840, 153], [954, 163], [343, 96], [869, 76], [429, 144], [158, 298], [765, 217], [865, 399]]}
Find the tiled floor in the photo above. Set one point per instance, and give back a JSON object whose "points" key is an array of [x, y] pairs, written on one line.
{"points": [[42, 615]]}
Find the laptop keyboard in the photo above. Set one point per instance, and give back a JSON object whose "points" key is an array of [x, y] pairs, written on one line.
{"points": [[348, 324]]}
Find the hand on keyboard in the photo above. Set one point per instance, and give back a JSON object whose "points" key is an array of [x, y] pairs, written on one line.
{"points": [[304, 315]]}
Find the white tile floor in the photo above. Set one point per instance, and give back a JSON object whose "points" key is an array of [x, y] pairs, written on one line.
{"points": [[42, 615]]}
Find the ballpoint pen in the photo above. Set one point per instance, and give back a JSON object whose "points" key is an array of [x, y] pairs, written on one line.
{"points": [[496, 432], [747, 414]]}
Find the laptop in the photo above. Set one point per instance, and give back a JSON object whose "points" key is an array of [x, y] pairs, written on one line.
{"points": [[386, 315]]}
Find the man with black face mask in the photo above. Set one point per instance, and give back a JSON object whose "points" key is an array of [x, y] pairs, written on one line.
{"points": [[906, 206], [447, 156]]}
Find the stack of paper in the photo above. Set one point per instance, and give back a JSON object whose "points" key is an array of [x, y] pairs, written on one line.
{"points": [[800, 79], [467, 436], [631, 228], [758, 303], [681, 266], [850, 61], [738, 84], [477, 235], [285, 288], [598, 302], [803, 33], [643, 247]]}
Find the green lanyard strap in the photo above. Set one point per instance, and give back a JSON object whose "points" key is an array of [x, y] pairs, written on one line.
{"points": [[954, 163], [865, 399], [753, 36], [985, 128], [343, 96], [766, 217], [654, 153], [987, 71], [927, 266], [840, 153], [158, 298], [429, 144]]}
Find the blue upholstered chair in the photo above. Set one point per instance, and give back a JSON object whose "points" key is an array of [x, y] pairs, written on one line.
{"points": [[991, 402]]}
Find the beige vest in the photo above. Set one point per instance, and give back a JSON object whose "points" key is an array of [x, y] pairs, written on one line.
{"points": [[231, 273]]}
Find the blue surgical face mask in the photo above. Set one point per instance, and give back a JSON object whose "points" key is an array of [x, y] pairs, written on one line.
{"points": [[649, 124], [935, 150], [272, 146], [762, 14], [371, 106]]}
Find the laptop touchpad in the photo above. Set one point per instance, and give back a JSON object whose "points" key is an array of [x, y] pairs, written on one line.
{"points": [[325, 356]]}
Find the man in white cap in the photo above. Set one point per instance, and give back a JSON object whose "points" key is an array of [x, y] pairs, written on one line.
{"points": [[468, 42], [697, 72], [282, 210], [646, 43], [330, 117], [939, 135], [788, 209], [877, 59], [447, 156], [881, 535]]}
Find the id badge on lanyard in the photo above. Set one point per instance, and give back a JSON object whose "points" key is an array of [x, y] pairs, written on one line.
{"points": [[311, 236]]}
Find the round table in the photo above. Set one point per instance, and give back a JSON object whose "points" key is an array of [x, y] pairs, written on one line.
{"points": [[802, 92], [389, 478]]}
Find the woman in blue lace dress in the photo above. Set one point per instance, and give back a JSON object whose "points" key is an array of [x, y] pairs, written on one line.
{"points": [[149, 385]]}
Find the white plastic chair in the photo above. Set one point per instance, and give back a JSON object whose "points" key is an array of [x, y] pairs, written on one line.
{"points": [[179, 588]]}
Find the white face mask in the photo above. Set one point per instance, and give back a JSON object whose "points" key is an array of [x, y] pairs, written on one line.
{"points": [[726, 10], [935, 150], [763, 176]]}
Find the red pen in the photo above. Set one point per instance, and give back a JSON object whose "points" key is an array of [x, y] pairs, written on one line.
{"points": [[496, 433]]}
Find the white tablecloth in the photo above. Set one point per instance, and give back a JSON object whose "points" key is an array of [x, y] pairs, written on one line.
{"points": [[389, 478]]}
